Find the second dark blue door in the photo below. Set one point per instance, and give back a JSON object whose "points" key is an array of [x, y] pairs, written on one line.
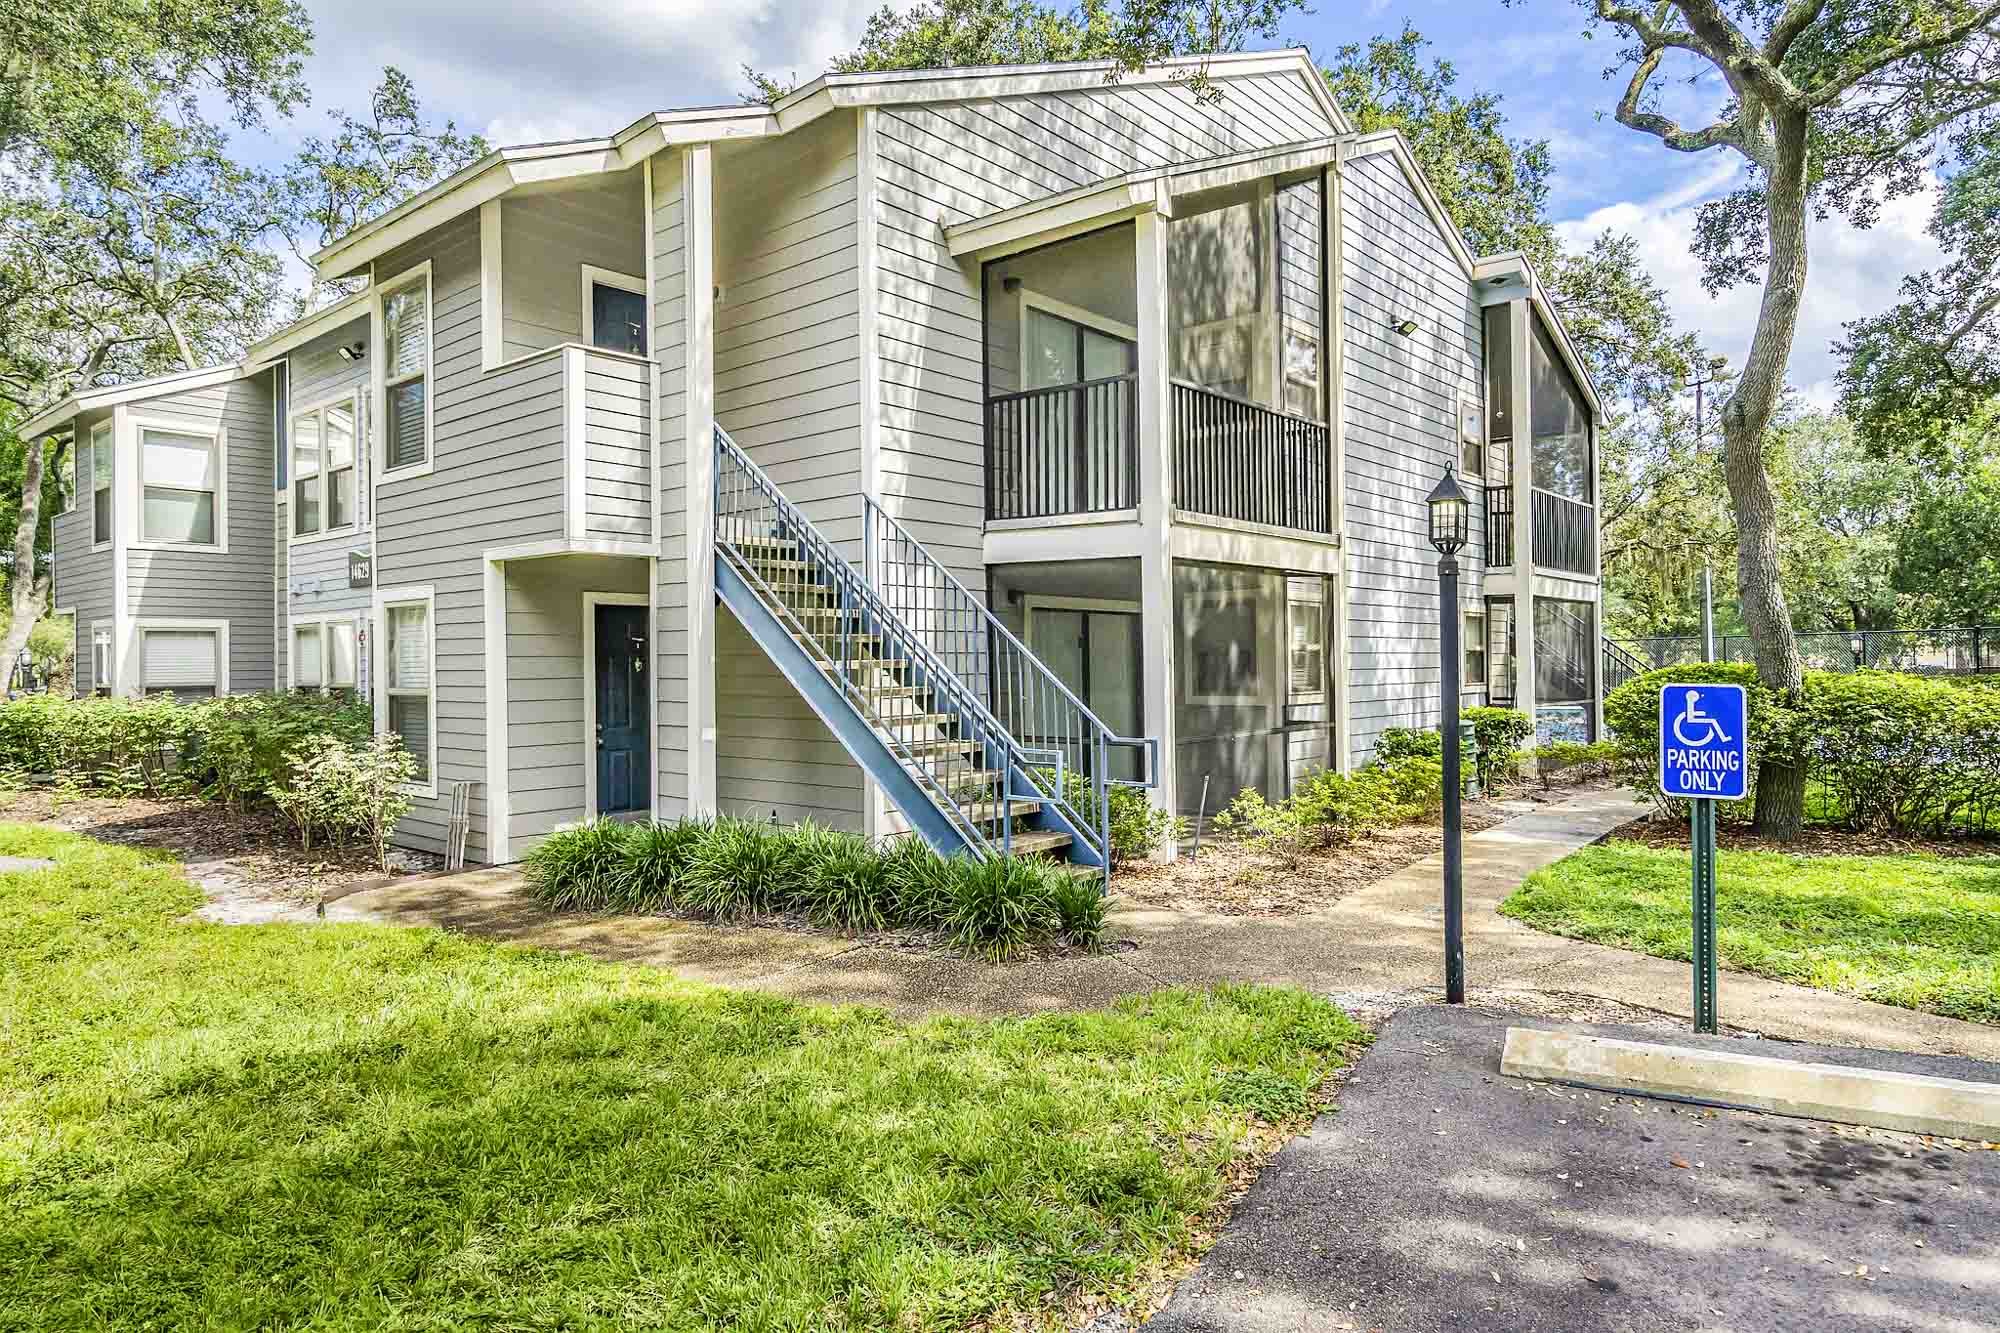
{"points": [[623, 750]]}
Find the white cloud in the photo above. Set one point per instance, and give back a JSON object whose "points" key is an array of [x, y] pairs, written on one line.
{"points": [[530, 73], [1850, 272]]}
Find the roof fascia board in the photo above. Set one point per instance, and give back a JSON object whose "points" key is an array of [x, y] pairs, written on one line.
{"points": [[138, 390], [304, 330], [1393, 143]]}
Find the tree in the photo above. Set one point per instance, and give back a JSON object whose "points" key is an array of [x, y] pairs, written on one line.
{"points": [[77, 75], [335, 184], [944, 34], [1947, 549], [1833, 105]]}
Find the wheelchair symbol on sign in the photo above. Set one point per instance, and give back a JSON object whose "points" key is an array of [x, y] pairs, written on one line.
{"points": [[1710, 731]]}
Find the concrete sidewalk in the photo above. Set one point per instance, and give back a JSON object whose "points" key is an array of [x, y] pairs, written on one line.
{"points": [[1382, 944]]}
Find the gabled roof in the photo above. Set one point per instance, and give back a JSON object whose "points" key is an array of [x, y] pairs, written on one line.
{"points": [[504, 169], [90, 400]]}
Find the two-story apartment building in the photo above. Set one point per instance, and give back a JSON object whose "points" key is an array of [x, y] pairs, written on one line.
{"points": [[860, 457]]}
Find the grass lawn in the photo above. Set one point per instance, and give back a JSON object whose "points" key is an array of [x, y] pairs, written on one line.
{"points": [[1918, 931], [370, 1127]]}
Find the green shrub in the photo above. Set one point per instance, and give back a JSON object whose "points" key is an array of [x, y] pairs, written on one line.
{"points": [[1406, 790], [1138, 827], [1500, 733], [577, 868], [1079, 904], [652, 869], [999, 905], [347, 791], [1409, 743], [846, 883], [731, 868], [1632, 715], [741, 866], [1573, 761]]}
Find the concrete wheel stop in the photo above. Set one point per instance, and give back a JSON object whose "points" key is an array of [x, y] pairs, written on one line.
{"points": [[1883, 1099]]}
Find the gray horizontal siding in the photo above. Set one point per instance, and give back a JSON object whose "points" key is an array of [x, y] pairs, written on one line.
{"points": [[1402, 396], [772, 753], [545, 239], [217, 585], [546, 680], [617, 443], [497, 479], [670, 676], [81, 577], [944, 163]]}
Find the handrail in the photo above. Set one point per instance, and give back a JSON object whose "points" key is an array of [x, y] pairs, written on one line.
{"points": [[750, 509], [1016, 681], [1015, 395]]}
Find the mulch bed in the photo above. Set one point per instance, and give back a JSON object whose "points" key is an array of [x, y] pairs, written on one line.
{"points": [[253, 849], [1815, 841], [1230, 879]]}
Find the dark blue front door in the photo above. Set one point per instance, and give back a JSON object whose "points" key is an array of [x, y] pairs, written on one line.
{"points": [[623, 771], [617, 319]]}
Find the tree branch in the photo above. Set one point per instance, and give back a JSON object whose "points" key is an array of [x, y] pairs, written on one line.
{"points": [[1915, 45], [1667, 130], [1802, 14]]}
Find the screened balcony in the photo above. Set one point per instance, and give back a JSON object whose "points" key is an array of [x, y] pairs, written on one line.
{"points": [[1562, 515], [1245, 411]]}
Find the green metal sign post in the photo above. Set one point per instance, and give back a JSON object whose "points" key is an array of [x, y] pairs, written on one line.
{"points": [[1704, 758], [1702, 836]]}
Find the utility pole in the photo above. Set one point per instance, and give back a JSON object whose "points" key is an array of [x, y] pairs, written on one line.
{"points": [[1714, 373]]}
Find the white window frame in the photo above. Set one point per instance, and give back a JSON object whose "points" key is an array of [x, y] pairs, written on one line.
{"points": [[101, 437], [1074, 314], [594, 276], [424, 595], [1471, 436], [320, 623], [352, 398], [379, 396], [218, 440], [101, 685], [1469, 644], [220, 628]]}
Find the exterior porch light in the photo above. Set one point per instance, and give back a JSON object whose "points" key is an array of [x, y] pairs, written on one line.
{"points": [[1405, 326], [1450, 518]]}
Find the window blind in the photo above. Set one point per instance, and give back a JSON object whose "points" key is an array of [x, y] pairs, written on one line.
{"points": [[179, 657], [410, 718], [409, 649], [404, 331], [306, 656], [405, 434], [340, 655]]}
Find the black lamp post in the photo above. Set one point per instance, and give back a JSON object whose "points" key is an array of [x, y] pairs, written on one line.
{"points": [[1450, 519]]}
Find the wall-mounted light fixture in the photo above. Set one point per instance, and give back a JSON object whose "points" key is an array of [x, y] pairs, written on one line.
{"points": [[353, 351], [1010, 284], [1405, 326]]}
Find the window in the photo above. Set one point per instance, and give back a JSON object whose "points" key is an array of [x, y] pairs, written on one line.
{"points": [[181, 474], [323, 486], [100, 660], [1305, 609], [406, 363], [100, 485], [185, 661], [1471, 439], [323, 655], [409, 706], [1473, 640], [615, 305]]}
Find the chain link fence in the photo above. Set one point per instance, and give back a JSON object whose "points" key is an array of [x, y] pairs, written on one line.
{"points": [[1951, 651]]}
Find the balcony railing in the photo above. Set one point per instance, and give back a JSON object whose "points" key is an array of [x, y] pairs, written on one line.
{"points": [[1068, 449], [1499, 526], [1565, 534], [1237, 460]]}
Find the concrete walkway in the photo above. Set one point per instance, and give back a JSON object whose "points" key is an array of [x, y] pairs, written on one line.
{"points": [[1382, 944]]}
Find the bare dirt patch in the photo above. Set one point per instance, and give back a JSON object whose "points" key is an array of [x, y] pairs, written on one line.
{"points": [[1814, 841], [247, 862], [1231, 879]]}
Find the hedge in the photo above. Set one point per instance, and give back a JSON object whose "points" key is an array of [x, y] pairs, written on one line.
{"points": [[1883, 751], [231, 749], [726, 869]]}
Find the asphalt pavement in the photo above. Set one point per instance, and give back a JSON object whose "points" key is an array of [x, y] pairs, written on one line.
{"points": [[1442, 1195]]}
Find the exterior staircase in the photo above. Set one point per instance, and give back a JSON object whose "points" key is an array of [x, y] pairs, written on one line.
{"points": [[914, 676]]}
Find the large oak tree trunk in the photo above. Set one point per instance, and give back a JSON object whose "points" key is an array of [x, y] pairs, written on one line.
{"points": [[1780, 778], [30, 591]]}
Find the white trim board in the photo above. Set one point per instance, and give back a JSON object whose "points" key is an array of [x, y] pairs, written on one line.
{"points": [[591, 601]]}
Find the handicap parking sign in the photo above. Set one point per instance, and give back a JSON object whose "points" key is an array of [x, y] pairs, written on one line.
{"points": [[1704, 742]]}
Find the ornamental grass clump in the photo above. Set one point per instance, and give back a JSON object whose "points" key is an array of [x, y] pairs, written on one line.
{"points": [[728, 869]]}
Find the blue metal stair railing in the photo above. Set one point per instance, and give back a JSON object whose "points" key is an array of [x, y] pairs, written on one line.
{"points": [[1020, 690], [945, 747]]}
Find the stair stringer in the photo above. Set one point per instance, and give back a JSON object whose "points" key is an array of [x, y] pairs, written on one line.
{"points": [[854, 732]]}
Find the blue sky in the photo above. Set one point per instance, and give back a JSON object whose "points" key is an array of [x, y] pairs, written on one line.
{"points": [[520, 74]]}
